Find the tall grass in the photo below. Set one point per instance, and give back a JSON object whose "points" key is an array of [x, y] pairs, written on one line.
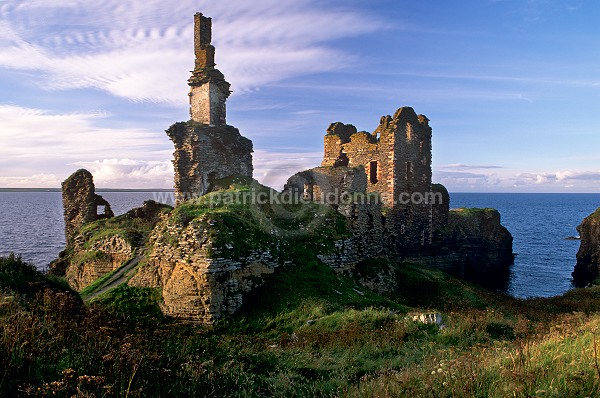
{"points": [[324, 342]]}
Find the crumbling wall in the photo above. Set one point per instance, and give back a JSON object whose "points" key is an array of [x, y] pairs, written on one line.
{"points": [[81, 203], [204, 154], [206, 148], [396, 159], [198, 282], [441, 206], [208, 88], [345, 189]]}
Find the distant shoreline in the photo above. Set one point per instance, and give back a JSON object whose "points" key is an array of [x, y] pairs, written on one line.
{"points": [[97, 190]]}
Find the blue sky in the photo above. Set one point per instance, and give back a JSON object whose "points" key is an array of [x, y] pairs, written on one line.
{"points": [[512, 88]]}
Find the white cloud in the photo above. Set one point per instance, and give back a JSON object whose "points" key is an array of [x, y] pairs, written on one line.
{"points": [[39, 134], [143, 50], [274, 168], [129, 173], [33, 181], [34, 140]]}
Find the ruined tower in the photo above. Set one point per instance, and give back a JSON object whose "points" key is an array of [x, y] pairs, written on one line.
{"points": [[206, 148], [208, 88], [397, 161]]}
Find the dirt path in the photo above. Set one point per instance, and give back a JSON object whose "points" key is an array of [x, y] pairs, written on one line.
{"points": [[117, 279]]}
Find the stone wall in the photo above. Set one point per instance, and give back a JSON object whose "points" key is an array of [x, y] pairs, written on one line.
{"points": [[81, 203], [204, 154]]}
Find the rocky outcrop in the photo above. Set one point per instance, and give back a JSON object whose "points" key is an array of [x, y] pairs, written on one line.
{"points": [[587, 268], [200, 278], [473, 245], [81, 203], [91, 261]]}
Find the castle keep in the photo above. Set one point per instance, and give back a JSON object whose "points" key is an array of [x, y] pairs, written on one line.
{"points": [[395, 161], [206, 148]]}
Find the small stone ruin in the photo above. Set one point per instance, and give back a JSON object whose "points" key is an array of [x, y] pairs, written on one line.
{"points": [[81, 203]]}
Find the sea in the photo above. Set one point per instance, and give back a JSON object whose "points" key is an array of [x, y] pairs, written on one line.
{"points": [[542, 225]]}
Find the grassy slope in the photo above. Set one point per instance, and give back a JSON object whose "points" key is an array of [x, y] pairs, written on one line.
{"points": [[354, 345]]}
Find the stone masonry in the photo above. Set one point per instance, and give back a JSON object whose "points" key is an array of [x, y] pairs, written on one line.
{"points": [[208, 88], [206, 148], [396, 159], [80, 202]]}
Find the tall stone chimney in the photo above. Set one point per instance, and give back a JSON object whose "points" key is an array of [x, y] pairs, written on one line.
{"points": [[208, 88], [207, 149]]}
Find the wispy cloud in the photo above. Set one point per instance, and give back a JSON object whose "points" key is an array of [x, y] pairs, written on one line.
{"points": [[39, 180], [31, 133], [130, 49], [460, 166], [499, 179], [36, 139]]}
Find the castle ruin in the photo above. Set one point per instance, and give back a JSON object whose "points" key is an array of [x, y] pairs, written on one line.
{"points": [[380, 183], [206, 148], [396, 163], [81, 203]]}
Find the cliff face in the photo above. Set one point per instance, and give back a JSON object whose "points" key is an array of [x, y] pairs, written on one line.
{"points": [[587, 268], [206, 255], [201, 278], [474, 245]]}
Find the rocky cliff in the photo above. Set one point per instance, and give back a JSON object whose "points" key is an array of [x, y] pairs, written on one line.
{"points": [[474, 245], [206, 255], [587, 268]]}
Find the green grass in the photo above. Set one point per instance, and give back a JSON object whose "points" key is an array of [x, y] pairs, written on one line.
{"points": [[306, 332], [100, 281], [135, 304], [236, 225], [133, 229]]}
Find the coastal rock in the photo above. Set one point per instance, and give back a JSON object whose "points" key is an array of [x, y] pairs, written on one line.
{"points": [[587, 268], [201, 277], [96, 260], [473, 245]]}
